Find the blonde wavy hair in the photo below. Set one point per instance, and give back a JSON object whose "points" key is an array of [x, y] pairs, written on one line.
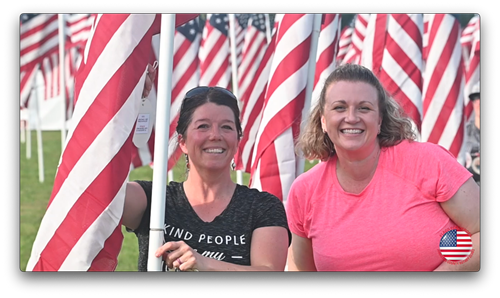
{"points": [[314, 144]]}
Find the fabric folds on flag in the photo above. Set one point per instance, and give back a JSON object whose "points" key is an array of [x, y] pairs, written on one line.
{"points": [[185, 76], [251, 112], [274, 160], [471, 45], [214, 53], [353, 54], [328, 45], [401, 64], [443, 82], [39, 38], [254, 46], [81, 229], [344, 43]]}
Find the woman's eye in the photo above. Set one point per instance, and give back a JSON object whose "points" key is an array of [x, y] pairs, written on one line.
{"points": [[365, 108], [203, 126], [227, 127], [339, 108]]}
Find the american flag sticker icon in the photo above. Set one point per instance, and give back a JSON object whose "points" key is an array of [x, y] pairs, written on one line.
{"points": [[456, 245]]}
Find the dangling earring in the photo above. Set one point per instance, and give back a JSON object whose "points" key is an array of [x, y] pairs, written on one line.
{"points": [[187, 162], [233, 165]]}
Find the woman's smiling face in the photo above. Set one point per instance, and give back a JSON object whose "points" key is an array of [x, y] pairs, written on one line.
{"points": [[351, 116], [211, 139]]}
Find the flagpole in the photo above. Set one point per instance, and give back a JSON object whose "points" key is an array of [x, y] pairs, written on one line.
{"points": [[62, 83], [41, 171], [162, 125], [234, 72], [310, 82]]}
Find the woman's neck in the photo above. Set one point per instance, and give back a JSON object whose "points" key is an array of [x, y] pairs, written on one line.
{"points": [[355, 170], [208, 187]]}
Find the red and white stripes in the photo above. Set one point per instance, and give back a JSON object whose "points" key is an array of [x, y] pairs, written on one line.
{"points": [[443, 81], [214, 53], [401, 66], [274, 160], [254, 46], [251, 113], [471, 45], [81, 228], [353, 55], [328, 45]]}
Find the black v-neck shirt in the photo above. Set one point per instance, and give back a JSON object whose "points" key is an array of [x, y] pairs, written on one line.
{"points": [[227, 238]]}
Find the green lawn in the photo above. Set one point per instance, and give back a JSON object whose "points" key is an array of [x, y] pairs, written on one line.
{"points": [[34, 195]]}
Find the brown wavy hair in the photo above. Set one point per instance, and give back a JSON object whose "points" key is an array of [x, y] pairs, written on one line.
{"points": [[314, 144]]}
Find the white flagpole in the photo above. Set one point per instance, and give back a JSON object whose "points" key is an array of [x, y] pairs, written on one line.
{"points": [[165, 67], [62, 79], [39, 142], [310, 82], [234, 72], [268, 27]]}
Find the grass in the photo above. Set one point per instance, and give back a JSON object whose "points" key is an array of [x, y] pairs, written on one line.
{"points": [[35, 195]]}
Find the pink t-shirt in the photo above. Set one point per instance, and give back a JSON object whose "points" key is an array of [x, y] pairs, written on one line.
{"points": [[394, 224]]}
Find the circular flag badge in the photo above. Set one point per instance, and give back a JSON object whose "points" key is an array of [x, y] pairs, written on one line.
{"points": [[456, 245]]}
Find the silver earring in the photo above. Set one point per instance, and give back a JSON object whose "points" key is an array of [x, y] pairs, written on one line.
{"points": [[233, 165]]}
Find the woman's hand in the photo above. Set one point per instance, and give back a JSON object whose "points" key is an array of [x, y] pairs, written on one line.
{"points": [[150, 78], [177, 254]]}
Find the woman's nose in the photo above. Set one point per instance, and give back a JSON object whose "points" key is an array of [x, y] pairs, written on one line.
{"points": [[351, 116], [215, 133]]}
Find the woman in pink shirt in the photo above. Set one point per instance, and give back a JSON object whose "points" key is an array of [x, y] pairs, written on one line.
{"points": [[378, 201]]}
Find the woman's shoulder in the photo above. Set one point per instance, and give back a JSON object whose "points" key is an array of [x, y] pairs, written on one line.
{"points": [[148, 184], [314, 174], [254, 194], [407, 147]]}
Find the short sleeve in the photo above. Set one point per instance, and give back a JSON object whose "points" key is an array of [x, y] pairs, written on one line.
{"points": [[296, 209], [271, 212], [144, 225], [452, 175]]}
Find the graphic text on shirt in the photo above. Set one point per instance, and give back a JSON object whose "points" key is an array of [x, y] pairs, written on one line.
{"points": [[203, 238]]}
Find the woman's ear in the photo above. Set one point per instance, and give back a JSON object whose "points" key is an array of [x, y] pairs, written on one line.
{"points": [[323, 123], [182, 144]]}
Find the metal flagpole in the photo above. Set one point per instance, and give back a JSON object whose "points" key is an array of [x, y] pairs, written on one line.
{"points": [[234, 72], [310, 82], [162, 125], [62, 78]]}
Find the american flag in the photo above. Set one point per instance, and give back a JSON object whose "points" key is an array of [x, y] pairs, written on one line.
{"points": [[344, 43], [374, 42], [328, 45], [81, 229], [38, 38], [467, 36], [353, 54], [241, 25], [254, 46], [401, 64], [214, 53], [274, 160], [27, 82], [251, 112], [79, 26], [50, 71], [471, 45], [185, 76], [443, 83], [456, 245]]}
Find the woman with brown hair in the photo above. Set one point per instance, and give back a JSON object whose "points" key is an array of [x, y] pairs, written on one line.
{"points": [[378, 201]]}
